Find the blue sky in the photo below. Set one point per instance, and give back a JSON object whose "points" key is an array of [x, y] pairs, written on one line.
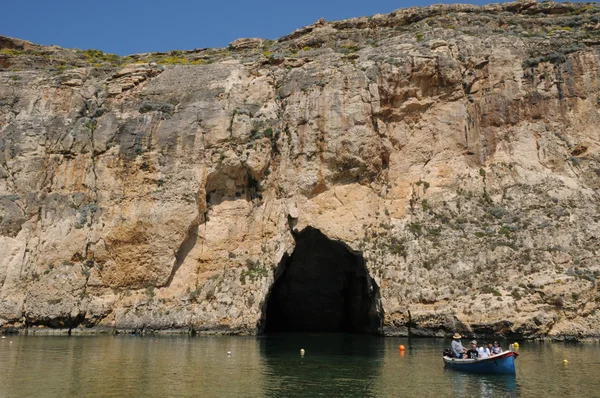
{"points": [[132, 26]]}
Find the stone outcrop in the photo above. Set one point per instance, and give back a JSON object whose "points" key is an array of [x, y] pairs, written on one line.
{"points": [[246, 43], [456, 148]]}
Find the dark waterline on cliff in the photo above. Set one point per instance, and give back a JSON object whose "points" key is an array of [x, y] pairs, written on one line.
{"points": [[271, 366]]}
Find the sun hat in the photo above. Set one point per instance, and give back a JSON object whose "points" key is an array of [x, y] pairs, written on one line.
{"points": [[456, 336], [474, 342]]}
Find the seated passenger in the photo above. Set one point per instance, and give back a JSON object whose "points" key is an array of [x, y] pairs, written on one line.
{"points": [[472, 352], [496, 349], [456, 346], [483, 351]]}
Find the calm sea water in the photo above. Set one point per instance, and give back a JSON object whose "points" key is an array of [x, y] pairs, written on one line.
{"points": [[271, 366]]}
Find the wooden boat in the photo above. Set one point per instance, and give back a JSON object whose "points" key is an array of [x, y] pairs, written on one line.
{"points": [[503, 363]]}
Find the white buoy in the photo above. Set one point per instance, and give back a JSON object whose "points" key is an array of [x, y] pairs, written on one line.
{"points": [[228, 353], [3, 337], [10, 342], [302, 351]]}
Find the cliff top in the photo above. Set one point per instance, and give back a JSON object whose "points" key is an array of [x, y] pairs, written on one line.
{"points": [[549, 26]]}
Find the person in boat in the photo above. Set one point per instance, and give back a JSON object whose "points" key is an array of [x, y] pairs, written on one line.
{"points": [[484, 351], [496, 349], [472, 352], [456, 347]]}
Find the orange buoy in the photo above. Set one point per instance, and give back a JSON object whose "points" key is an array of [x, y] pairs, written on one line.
{"points": [[401, 347]]}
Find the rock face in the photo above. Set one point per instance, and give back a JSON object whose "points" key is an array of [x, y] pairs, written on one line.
{"points": [[452, 150]]}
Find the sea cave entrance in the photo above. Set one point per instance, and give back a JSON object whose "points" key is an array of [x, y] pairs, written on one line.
{"points": [[323, 286]]}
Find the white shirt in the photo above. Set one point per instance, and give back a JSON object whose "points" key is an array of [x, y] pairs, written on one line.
{"points": [[484, 352]]}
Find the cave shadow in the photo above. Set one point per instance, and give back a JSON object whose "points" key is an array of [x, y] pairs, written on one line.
{"points": [[323, 286], [334, 364]]}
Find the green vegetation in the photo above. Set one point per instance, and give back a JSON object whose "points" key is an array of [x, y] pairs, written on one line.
{"points": [[268, 132], [349, 48], [9, 51], [561, 28], [98, 57], [415, 228], [150, 292], [165, 108], [397, 246], [515, 294], [433, 232], [179, 59], [194, 294], [505, 230], [490, 290], [91, 125], [425, 184], [556, 57], [63, 67], [255, 270], [259, 130], [172, 60]]}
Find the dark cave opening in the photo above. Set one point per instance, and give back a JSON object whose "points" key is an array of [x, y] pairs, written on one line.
{"points": [[324, 286]]}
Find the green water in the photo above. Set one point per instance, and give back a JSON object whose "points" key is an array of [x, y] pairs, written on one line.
{"points": [[271, 366]]}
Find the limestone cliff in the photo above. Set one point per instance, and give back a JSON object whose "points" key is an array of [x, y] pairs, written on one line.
{"points": [[454, 150]]}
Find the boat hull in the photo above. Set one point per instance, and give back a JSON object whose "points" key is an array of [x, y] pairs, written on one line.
{"points": [[503, 363]]}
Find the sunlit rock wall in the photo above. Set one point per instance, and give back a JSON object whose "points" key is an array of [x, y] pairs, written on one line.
{"points": [[456, 147]]}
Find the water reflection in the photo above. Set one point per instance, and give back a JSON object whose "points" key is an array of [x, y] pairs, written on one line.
{"points": [[333, 364], [130, 366], [465, 384], [271, 366]]}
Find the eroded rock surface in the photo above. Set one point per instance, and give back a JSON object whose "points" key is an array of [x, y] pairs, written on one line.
{"points": [[455, 147]]}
